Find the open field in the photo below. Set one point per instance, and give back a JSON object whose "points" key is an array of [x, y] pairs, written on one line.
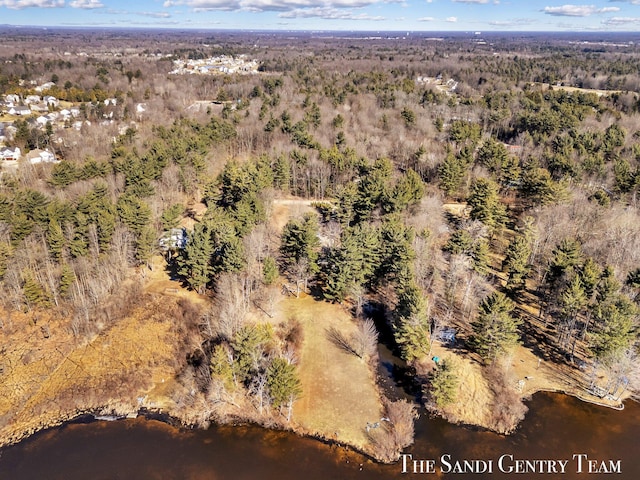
{"points": [[339, 391], [47, 380]]}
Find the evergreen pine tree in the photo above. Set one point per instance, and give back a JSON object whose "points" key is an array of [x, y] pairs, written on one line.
{"points": [[5, 254], [269, 271], [572, 300], [55, 240], [134, 213], [33, 291], [67, 277], [300, 242], [171, 216], [283, 382], [615, 326], [194, 261], [411, 324], [608, 285], [495, 330], [460, 243], [567, 257], [444, 383], [221, 366], [146, 244], [480, 257], [450, 173], [230, 256], [485, 204], [493, 155], [516, 263]]}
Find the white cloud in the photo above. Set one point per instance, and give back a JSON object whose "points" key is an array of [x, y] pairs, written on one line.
{"points": [[618, 21], [577, 10], [470, 1], [632, 2], [426, 19], [271, 5], [328, 13], [154, 14], [88, 4], [452, 19], [20, 4]]}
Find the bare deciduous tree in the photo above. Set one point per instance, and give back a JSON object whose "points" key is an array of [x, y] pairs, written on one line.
{"points": [[395, 431], [232, 305]]}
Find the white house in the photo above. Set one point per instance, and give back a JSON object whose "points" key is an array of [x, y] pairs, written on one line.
{"points": [[66, 114], [12, 98], [41, 156], [19, 110], [8, 154], [39, 107], [176, 238], [45, 86], [50, 100], [32, 99], [75, 111], [42, 120]]}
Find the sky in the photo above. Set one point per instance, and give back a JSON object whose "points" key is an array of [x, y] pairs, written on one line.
{"points": [[344, 15]]}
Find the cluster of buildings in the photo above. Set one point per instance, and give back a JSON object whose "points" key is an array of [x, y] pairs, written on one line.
{"points": [[447, 86], [10, 156], [41, 109], [38, 110], [223, 64]]}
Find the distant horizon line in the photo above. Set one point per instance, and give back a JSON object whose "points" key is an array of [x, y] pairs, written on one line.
{"points": [[315, 30]]}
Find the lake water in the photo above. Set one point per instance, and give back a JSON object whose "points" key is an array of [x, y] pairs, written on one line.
{"points": [[556, 428]]}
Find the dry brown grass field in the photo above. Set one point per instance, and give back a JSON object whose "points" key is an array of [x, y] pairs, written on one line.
{"points": [[340, 395]]}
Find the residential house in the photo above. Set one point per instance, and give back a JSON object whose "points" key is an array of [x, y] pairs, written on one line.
{"points": [[10, 154], [42, 120], [174, 239], [32, 99], [44, 87], [19, 110], [75, 111], [39, 107], [51, 100], [12, 99], [41, 156]]}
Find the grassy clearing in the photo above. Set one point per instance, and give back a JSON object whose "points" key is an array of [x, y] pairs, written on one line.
{"points": [[339, 391]]}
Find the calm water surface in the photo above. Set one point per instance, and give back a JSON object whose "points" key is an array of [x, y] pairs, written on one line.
{"points": [[556, 427]]}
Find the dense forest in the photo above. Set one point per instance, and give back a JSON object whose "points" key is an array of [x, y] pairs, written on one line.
{"points": [[483, 188]]}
